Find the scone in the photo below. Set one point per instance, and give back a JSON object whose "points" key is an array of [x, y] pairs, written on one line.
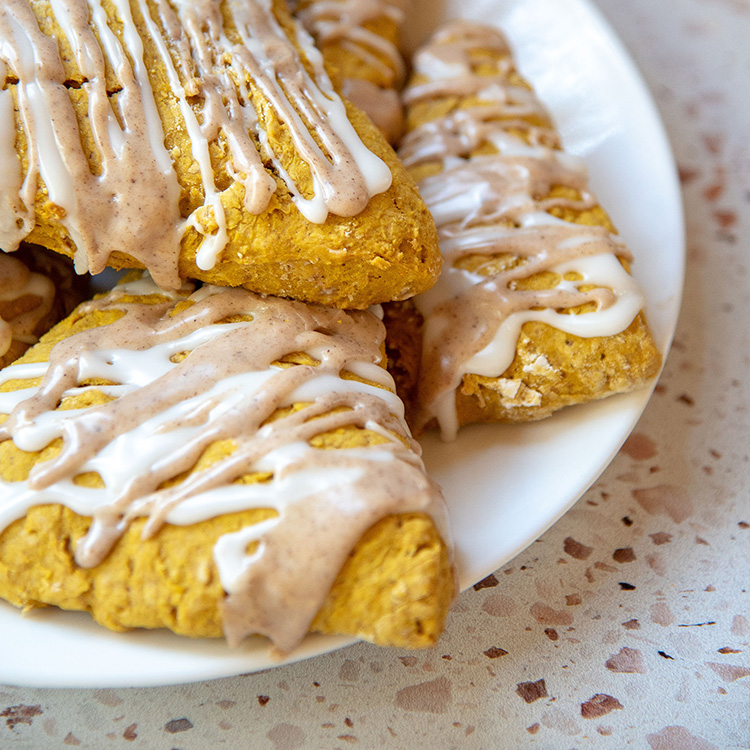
{"points": [[359, 41], [213, 461], [535, 308], [201, 140], [37, 289]]}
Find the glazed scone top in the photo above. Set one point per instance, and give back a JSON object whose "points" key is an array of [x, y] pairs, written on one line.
{"points": [[168, 406], [493, 176], [131, 201]]}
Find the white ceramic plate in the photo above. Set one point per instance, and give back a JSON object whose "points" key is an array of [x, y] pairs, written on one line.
{"points": [[505, 485]]}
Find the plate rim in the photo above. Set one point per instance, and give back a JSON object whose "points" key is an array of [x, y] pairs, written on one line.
{"points": [[208, 668]]}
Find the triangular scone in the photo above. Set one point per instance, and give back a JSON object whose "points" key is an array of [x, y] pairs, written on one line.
{"points": [[37, 289], [200, 140], [535, 308], [359, 43], [214, 461]]}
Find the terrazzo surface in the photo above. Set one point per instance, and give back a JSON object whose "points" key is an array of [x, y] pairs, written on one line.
{"points": [[625, 625]]}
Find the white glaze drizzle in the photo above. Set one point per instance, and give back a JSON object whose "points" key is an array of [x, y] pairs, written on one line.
{"points": [[133, 203], [489, 205], [344, 22], [166, 413]]}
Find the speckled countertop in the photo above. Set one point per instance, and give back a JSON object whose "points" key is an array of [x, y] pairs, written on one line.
{"points": [[627, 624]]}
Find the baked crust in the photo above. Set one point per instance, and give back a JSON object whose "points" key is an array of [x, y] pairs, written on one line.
{"points": [[394, 587], [387, 251], [551, 368]]}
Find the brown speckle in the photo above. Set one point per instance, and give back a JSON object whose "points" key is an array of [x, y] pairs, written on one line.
{"points": [[639, 447], [665, 499], [714, 143], [551, 633], [627, 520], [499, 605], [226, 704], [701, 540], [349, 722], [576, 549], [532, 691], [740, 625], [129, 734], [408, 661], [545, 615], [656, 563], [599, 705], [573, 600], [685, 399], [725, 219], [533, 729], [627, 660], [687, 175], [178, 725], [494, 652], [347, 738], [677, 738], [349, 671], [20, 714], [624, 555], [716, 189], [743, 524], [661, 614], [428, 697], [287, 737], [71, 739], [661, 537], [727, 650], [486, 583], [729, 672], [263, 699], [107, 698]]}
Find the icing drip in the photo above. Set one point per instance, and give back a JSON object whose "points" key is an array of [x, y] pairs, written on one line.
{"points": [[344, 22], [17, 281], [493, 167], [130, 201], [166, 409]]}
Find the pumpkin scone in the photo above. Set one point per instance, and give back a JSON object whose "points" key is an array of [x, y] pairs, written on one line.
{"points": [[37, 289], [200, 139], [212, 461], [359, 41], [535, 308]]}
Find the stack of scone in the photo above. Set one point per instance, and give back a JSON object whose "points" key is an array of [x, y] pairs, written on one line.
{"points": [[215, 445]]}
